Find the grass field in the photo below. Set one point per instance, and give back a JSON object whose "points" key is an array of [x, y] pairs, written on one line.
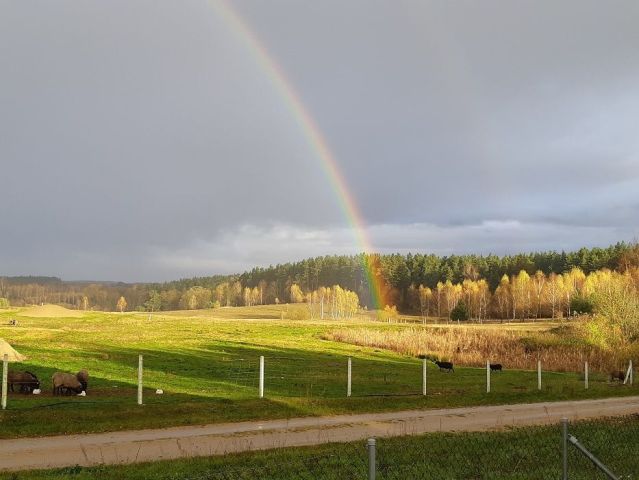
{"points": [[531, 453], [207, 364]]}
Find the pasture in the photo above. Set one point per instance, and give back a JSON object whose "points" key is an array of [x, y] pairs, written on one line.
{"points": [[206, 362]]}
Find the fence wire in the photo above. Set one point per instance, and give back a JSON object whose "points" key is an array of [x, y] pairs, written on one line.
{"points": [[614, 442], [526, 453]]}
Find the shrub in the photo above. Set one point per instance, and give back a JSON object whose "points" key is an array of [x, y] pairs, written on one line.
{"points": [[298, 312], [460, 312], [582, 305]]}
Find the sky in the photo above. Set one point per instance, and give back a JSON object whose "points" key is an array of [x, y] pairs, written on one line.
{"points": [[144, 140]]}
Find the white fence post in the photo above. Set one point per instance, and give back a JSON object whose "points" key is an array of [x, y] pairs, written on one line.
{"points": [[140, 367], [487, 376], [349, 377], [261, 376], [628, 377], [586, 375], [538, 374], [5, 373], [424, 376], [632, 373]]}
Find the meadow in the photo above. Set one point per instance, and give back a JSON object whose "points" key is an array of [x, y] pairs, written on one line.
{"points": [[206, 362]]}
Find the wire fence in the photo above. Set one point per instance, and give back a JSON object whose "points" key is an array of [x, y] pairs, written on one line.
{"points": [[533, 453], [322, 376]]}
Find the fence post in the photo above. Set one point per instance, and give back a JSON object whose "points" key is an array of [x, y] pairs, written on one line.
{"points": [[564, 428], [538, 374], [261, 376], [586, 375], [632, 373], [424, 376], [349, 377], [487, 376], [5, 373], [371, 458], [628, 377], [140, 366]]}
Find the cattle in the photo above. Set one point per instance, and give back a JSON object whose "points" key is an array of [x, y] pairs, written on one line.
{"points": [[444, 366]]}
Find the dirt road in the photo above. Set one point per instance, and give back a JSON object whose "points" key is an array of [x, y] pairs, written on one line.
{"points": [[162, 444]]}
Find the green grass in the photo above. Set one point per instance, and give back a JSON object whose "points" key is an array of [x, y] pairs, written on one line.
{"points": [[207, 364], [531, 453]]}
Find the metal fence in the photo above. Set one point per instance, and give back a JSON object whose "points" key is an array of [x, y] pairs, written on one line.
{"points": [[524, 453]]}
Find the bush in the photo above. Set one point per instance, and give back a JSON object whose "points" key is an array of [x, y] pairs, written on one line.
{"points": [[582, 305], [298, 313], [460, 312]]}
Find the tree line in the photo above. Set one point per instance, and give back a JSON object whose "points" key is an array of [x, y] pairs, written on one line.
{"points": [[479, 280]]}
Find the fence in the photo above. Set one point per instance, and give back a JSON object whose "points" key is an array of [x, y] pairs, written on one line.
{"points": [[339, 377], [524, 453]]}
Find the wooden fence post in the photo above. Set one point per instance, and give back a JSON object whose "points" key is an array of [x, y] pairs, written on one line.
{"points": [[586, 375]]}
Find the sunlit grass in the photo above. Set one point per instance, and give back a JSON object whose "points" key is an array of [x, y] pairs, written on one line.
{"points": [[206, 362]]}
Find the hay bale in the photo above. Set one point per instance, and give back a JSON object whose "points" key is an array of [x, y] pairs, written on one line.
{"points": [[14, 356]]}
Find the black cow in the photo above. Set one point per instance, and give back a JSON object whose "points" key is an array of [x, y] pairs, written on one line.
{"points": [[445, 366]]}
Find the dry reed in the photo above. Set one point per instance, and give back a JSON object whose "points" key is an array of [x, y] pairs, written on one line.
{"points": [[472, 347]]}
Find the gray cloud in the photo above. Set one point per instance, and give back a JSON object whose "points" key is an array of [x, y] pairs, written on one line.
{"points": [[142, 140]]}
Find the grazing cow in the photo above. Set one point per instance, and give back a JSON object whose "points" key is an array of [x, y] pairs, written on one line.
{"points": [[617, 375], [495, 367], [445, 366]]}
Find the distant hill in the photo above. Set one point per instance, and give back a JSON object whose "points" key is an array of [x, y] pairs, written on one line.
{"points": [[26, 279]]}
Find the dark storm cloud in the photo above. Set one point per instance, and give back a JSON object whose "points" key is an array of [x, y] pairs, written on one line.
{"points": [[142, 140]]}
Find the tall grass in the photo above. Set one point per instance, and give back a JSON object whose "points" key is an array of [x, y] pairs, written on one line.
{"points": [[561, 350]]}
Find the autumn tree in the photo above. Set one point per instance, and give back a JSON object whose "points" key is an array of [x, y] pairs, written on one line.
{"points": [[503, 296], [297, 296], [538, 283], [425, 296], [555, 289], [195, 298], [121, 305], [520, 291]]}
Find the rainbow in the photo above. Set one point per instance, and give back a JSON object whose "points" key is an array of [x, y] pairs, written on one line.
{"points": [[315, 139]]}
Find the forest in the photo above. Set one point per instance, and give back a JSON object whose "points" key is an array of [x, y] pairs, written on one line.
{"points": [[527, 285]]}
